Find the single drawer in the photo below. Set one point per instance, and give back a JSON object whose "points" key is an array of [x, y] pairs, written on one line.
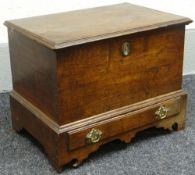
{"points": [[122, 123]]}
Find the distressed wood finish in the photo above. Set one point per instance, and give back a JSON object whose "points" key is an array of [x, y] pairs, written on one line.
{"points": [[70, 77]]}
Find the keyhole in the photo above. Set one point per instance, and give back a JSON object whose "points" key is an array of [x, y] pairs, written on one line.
{"points": [[125, 49]]}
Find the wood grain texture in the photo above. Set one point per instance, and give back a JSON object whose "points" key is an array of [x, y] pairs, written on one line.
{"points": [[34, 73], [22, 118], [100, 118], [69, 77], [94, 78], [122, 123], [56, 145], [72, 28], [82, 81]]}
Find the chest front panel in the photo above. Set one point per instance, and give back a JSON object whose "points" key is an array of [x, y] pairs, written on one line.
{"points": [[94, 78]]}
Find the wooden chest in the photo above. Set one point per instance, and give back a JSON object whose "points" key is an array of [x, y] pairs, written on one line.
{"points": [[84, 78]]}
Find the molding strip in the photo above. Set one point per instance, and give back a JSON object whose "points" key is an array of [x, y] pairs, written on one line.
{"points": [[94, 119], [34, 110]]}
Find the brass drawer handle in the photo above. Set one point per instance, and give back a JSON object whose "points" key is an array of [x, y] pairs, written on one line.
{"points": [[161, 113], [125, 49], [94, 135]]}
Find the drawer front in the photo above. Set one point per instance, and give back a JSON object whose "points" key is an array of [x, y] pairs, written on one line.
{"points": [[123, 123], [98, 77]]}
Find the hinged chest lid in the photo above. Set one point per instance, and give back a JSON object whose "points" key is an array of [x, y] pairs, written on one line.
{"points": [[71, 28]]}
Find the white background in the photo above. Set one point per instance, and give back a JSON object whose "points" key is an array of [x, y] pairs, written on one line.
{"points": [[13, 9]]}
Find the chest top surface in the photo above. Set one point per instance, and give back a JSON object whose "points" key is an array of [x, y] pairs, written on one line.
{"points": [[76, 27]]}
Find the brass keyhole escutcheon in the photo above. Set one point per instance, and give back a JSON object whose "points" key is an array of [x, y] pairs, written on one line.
{"points": [[94, 135], [125, 49], [161, 113]]}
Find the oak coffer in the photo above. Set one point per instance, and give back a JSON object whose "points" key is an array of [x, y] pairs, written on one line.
{"points": [[87, 77]]}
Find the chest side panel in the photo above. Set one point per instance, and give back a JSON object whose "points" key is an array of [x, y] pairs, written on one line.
{"points": [[34, 72], [94, 78]]}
